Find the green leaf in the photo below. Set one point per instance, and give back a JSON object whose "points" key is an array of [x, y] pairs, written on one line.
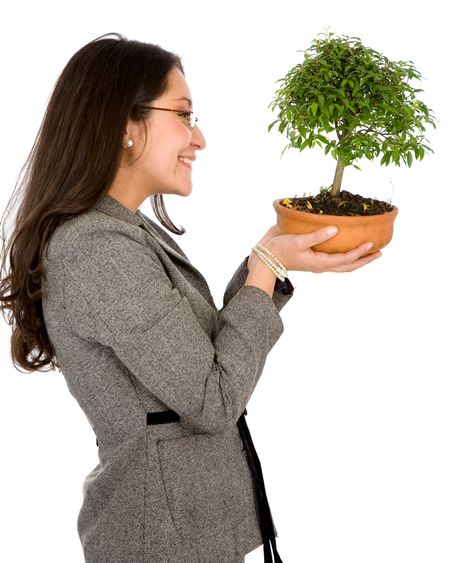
{"points": [[322, 138], [386, 158], [350, 92]]}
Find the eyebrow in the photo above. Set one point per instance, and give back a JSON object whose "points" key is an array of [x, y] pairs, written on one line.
{"points": [[189, 101]]}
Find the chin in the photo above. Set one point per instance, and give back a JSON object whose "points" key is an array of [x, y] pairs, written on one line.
{"points": [[187, 191]]}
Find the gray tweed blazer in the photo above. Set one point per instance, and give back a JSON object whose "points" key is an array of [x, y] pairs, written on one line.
{"points": [[136, 331]]}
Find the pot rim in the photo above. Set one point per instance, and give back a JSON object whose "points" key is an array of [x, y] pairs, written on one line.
{"points": [[277, 204]]}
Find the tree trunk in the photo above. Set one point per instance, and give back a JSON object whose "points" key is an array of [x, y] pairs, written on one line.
{"points": [[336, 188]]}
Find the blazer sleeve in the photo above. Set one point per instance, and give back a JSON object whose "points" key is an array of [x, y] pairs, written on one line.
{"points": [[118, 294], [282, 292]]}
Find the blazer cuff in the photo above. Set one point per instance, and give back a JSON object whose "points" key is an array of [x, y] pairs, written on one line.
{"points": [[282, 291], [285, 287]]}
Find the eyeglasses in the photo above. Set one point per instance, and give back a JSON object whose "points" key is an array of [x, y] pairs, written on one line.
{"points": [[189, 115]]}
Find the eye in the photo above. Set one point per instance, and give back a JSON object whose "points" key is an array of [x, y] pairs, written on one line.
{"points": [[185, 114]]}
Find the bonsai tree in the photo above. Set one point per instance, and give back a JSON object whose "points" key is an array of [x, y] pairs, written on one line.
{"points": [[353, 102]]}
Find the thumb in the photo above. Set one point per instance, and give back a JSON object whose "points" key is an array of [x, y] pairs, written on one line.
{"points": [[321, 235]]}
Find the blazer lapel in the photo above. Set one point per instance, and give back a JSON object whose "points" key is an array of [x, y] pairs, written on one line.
{"points": [[113, 207], [164, 240]]}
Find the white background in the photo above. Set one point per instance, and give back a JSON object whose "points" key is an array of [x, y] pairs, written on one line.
{"points": [[351, 415]]}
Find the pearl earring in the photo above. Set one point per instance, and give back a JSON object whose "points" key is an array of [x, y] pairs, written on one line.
{"points": [[129, 144]]}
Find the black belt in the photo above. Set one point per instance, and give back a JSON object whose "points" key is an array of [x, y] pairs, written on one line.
{"points": [[264, 515]]}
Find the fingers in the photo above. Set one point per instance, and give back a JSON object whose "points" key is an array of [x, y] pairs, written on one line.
{"points": [[355, 253], [338, 260], [345, 261], [296, 253], [358, 263], [316, 237]]}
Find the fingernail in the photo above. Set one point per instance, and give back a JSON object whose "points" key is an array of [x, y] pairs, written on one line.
{"points": [[369, 245], [331, 231]]}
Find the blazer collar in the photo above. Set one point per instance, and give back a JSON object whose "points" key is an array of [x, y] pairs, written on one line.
{"points": [[113, 207]]}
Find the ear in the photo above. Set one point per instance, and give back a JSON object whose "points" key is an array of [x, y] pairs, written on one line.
{"points": [[136, 133]]}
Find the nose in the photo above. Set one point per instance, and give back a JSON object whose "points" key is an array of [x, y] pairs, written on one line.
{"points": [[198, 139]]}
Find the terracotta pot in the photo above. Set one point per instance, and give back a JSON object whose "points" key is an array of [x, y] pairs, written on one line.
{"points": [[353, 231]]}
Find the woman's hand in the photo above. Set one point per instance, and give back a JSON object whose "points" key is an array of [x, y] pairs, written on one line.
{"points": [[295, 252]]}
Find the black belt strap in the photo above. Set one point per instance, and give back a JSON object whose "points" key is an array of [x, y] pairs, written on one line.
{"points": [[162, 417], [264, 515]]}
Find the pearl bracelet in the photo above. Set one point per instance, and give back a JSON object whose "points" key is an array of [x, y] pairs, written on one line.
{"points": [[275, 269], [281, 269], [278, 269], [269, 264], [267, 251]]}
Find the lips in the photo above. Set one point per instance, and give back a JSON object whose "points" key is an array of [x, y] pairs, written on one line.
{"points": [[189, 156], [188, 164]]}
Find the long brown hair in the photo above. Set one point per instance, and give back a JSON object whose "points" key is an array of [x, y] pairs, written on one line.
{"points": [[71, 166]]}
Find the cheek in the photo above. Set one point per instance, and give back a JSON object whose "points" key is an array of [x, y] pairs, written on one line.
{"points": [[178, 136], [165, 146]]}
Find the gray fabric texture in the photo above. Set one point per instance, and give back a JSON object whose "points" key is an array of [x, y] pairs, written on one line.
{"points": [[135, 330]]}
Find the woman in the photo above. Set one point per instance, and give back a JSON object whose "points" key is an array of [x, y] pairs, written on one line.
{"points": [[102, 293]]}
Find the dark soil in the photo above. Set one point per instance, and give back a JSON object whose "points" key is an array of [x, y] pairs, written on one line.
{"points": [[345, 203]]}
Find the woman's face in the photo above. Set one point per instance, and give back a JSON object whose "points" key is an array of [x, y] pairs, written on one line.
{"points": [[159, 169]]}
